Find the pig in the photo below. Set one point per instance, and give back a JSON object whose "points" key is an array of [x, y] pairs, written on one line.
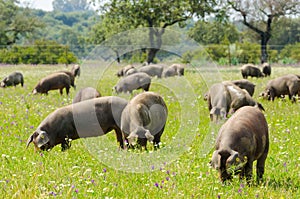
{"points": [[251, 70], [89, 118], [12, 79], [52, 82], [144, 119], [266, 69], [240, 97], [131, 71], [75, 70], [179, 69], [241, 140], [152, 70], [173, 70], [122, 72], [72, 77], [218, 99], [169, 72], [245, 84], [285, 85], [133, 82], [85, 94]]}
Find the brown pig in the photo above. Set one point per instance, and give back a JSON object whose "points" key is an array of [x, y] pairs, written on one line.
{"points": [[144, 118], [52, 82], [89, 118], [241, 140]]}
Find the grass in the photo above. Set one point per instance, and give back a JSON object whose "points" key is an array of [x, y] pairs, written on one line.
{"points": [[95, 168]]}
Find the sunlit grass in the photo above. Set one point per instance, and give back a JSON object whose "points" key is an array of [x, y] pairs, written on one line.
{"points": [[78, 174]]}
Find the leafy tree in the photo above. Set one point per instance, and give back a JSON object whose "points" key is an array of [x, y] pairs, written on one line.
{"points": [[70, 5], [15, 22], [213, 32], [121, 15], [253, 12], [290, 34]]}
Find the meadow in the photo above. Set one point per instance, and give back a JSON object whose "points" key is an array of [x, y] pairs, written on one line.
{"points": [[96, 168]]}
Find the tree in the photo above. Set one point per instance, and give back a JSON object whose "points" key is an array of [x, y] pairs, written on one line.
{"points": [[253, 12], [290, 34], [213, 32], [15, 23], [70, 5], [157, 15]]}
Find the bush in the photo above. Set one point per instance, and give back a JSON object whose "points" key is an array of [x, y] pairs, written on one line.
{"points": [[290, 53], [237, 53], [42, 52]]}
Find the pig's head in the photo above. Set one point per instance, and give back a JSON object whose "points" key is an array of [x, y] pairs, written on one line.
{"points": [[40, 139], [139, 133], [267, 94], [227, 162], [3, 83]]}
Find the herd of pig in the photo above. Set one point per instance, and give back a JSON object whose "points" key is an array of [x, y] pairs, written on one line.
{"points": [[242, 139]]}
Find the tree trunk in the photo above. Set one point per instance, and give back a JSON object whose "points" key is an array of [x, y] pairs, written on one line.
{"points": [[151, 55], [118, 56], [155, 43], [264, 35], [263, 47]]}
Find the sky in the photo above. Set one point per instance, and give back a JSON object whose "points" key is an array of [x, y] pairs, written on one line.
{"points": [[39, 4]]}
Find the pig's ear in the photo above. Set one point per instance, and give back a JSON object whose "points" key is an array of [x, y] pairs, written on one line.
{"points": [[260, 106], [30, 139], [149, 136], [232, 158], [132, 137], [42, 138], [215, 160]]}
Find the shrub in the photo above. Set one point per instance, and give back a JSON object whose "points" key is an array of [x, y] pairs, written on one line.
{"points": [[290, 53], [41, 52]]}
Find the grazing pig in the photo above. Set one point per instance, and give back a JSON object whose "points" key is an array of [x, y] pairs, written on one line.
{"points": [[152, 70], [251, 70], [90, 118], [218, 99], [72, 77], [173, 70], [52, 82], [240, 97], [169, 72], [85, 94], [266, 69], [133, 82], [131, 71], [245, 84], [280, 86], [241, 140], [13, 79], [179, 69], [75, 70], [144, 118], [122, 72]]}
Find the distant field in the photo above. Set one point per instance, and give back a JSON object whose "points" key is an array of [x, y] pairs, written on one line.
{"points": [[179, 169]]}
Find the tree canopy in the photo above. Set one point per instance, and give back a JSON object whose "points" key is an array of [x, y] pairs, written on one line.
{"points": [[213, 32], [15, 23], [253, 12], [70, 5], [121, 15]]}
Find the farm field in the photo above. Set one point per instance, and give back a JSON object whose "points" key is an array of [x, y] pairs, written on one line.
{"points": [[96, 168]]}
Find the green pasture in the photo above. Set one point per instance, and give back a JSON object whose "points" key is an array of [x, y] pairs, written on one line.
{"points": [[180, 168]]}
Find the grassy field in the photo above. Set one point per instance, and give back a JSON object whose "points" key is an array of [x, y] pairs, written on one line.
{"points": [[96, 168]]}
